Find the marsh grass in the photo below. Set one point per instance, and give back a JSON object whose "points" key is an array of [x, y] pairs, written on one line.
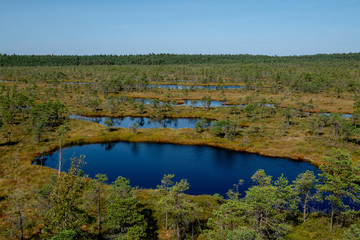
{"points": [[266, 136]]}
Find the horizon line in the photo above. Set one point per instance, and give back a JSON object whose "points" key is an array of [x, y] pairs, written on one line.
{"points": [[179, 54]]}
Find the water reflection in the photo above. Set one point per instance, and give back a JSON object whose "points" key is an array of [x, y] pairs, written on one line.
{"points": [[224, 159], [134, 149], [186, 102], [108, 146], [215, 103], [40, 160], [143, 122]]}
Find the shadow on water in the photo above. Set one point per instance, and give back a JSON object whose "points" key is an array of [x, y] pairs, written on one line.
{"points": [[141, 121], [134, 149], [39, 160], [108, 146]]}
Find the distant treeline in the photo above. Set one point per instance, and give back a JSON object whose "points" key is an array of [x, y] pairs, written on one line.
{"points": [[164, 59]]}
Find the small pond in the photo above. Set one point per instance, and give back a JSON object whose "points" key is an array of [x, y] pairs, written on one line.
{"points": [[208, 170], [345, 115], [143, 122]]}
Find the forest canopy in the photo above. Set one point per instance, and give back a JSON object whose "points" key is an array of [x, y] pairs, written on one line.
{"points": [[166, 59]]}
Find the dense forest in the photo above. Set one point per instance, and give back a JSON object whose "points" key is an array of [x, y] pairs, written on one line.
{"points": [[300, 107], [165, 59]]}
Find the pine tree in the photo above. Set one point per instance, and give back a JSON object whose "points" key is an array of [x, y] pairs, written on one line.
{"points": [[338, 177], [124, 218]]}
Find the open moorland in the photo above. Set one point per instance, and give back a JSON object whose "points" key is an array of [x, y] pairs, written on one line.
{"points": [[304, 108]]}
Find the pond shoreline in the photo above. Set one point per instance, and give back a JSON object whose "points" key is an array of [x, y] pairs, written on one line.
{"points": [[146, 163], [145, 115], [152, 136]]}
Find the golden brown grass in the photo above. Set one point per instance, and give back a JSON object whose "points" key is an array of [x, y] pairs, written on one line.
{"points": [[16, 171]]}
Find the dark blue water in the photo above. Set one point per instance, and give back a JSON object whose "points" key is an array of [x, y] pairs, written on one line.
{"points": [[143, 122], [208, 170], [175, 86]]}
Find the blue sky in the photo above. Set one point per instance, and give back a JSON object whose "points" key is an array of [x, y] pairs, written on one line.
{"points": [[270, 27]]}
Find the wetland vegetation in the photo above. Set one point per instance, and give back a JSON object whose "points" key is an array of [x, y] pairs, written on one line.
{"points": [[285, 107]]}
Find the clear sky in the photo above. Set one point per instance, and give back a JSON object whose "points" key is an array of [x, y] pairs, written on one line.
{"points": [[269, 27]]}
